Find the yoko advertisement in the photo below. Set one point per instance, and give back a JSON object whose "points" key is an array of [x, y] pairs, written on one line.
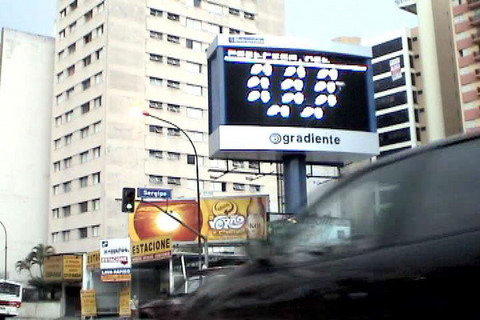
{"points": [[229, 218]]}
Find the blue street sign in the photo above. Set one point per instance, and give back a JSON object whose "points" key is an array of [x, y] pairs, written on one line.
{"points": [[154, 193]]}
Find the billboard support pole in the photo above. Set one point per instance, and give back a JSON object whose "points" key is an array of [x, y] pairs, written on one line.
{"points": [[295, 182]]}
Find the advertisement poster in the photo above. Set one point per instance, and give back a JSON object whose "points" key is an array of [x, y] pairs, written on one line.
{"points": [[93, 260], [124, 302], [53, 268], [115, 261], [227, 218], [88, 303], [72, 267], [152, 249]]}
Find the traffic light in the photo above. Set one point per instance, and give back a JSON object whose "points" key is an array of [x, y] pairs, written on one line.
{"points": [[128, 199]]}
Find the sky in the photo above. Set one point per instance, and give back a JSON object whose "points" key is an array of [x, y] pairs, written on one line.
{"points": [[313, 20]]}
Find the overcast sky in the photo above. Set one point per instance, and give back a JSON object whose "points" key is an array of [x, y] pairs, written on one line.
{"points": [[315, 20]]}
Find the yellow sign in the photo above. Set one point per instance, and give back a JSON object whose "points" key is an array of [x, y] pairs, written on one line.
{"points": [[116, 277], [93, 260], [152, 249], [124, 302], [53, 268], [72, 267], [88, 302]]}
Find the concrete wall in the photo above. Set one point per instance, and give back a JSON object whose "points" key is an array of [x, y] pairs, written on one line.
{"points": [[25, 103], [40, 310]]}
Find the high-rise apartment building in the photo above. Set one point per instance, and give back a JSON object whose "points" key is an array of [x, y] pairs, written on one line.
{"points": [[466, 22], [112, 56], [439, 71], [26, 69]]}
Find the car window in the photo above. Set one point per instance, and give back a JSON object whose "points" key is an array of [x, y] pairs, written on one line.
{"points": [[430, 194]]}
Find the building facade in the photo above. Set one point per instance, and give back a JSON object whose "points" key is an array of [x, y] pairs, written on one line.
{"points": [[466, 21], [26, 69], [111, 56]]}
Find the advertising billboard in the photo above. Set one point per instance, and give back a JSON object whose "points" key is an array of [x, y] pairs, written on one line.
{"points": [[115, 260], [152, 249], [221, 219], [63, 267], [268, 94]]}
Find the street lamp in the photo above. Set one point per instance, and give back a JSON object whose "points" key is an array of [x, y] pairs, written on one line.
{"points": [[5, 230], [147, 114]]}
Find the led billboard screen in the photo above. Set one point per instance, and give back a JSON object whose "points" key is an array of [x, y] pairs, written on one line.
{"points": [[265, 96]]}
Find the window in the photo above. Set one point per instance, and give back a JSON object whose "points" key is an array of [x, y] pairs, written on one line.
{"points": [[84, 157], [101, 7], [173, 156], [193, 3], [88, 16], [214, 8], [234, 31], [63, 13], [69, 92], [96, 152], [233, 11], [84, 133], [238, 187], [60, 98], [155, 129], [95, 231], [155, 12], [173, 84], [87, 38], [83, 207], [255, 188], [155, 104], [61, 34], [174, 180], [66, 211], [57, 143], [190, 159], [253, 164], [173, 132], [86, 84], [155, 81], [99, 78], [83, 182], [96, 178], [73, 5], [87, 60], [194, 113], [58, 121], [156, 58], [72, 27], [66, 235], [173, 107], [156, 35], [82, 233], [387, 47], [194, 45], [55, 237], [56, 213], [173, 61], [194, 24], [85, 107], [67, 162], [56, 189], [156, 154], [56, 166], [99, 30], [155, 179], [193, 67], [193, 89], [67, 186], [215, 163], [173, 39], [61, 54], [216, 186], [249, 16], [99, 53], [71, 70], [97, 127], [68, 139], [173, 17], [238, 164], [96, 204], [97, 102], [196, 136]]}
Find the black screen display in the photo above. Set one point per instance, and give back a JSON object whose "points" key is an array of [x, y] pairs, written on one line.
{"points": [[296, 88]]}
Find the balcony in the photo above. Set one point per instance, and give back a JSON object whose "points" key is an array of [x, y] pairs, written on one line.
{"points": [[475, 20], [476, 56], [476, 37], [477, 73], [478, 91], [473, 4]]}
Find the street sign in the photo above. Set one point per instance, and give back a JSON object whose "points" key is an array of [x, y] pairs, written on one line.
{"points": [[154, 193]]}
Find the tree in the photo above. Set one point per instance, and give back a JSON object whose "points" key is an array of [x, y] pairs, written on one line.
{"points": [[38, 254], [24, 264]]}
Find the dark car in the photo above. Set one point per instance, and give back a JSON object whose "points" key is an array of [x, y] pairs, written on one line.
{"points": [[397, 240]]}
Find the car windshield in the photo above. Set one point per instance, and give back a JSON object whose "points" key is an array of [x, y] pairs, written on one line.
{"points": [[426, 195]]}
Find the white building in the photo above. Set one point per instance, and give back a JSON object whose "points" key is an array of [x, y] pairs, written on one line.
{"points": [[26, 69], [111, 56]]}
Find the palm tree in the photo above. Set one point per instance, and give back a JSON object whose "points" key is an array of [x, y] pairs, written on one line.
{"points": [[24, 264], [38, 254]]}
